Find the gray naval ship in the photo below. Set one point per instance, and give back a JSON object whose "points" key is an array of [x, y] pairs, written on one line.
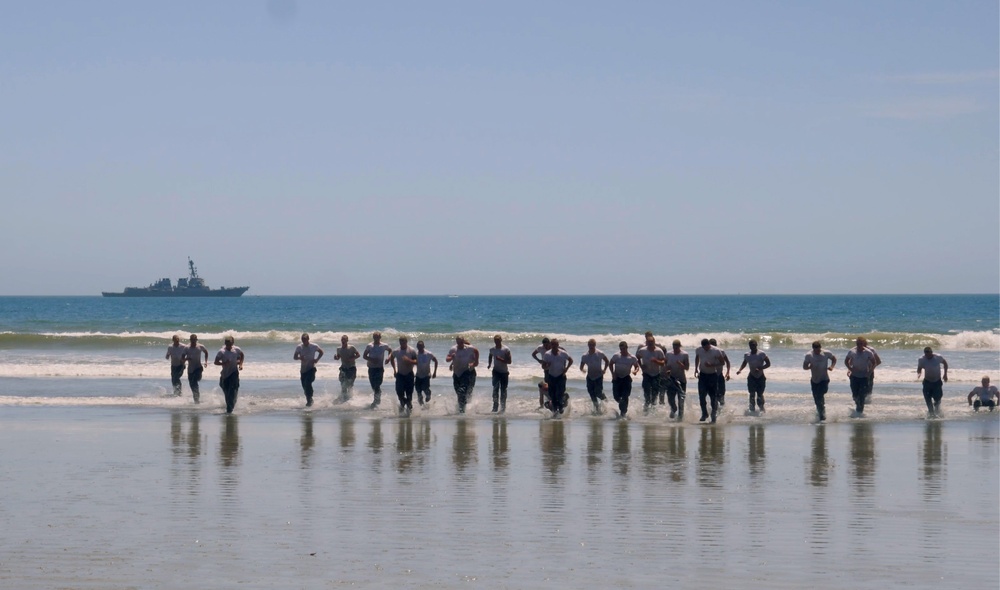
{"points": [[192, 286]]}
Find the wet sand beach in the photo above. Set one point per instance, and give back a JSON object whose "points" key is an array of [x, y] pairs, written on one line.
{"points": [[134, 497]]}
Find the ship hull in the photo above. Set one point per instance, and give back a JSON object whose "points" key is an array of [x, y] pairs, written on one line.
{"points": [[138, 292]]}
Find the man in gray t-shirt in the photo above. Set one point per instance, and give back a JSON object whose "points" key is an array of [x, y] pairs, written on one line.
{"points": [[931, 364], [756, 361], [860, 362], [651, 360], [595, 364], [308, 354], [821, 364], [175, 352], [422, 379], [556, 362], [499, 358], [464, 359], [403, 362], [376, 354], [348, 356], [673, 378], [708, 364]]}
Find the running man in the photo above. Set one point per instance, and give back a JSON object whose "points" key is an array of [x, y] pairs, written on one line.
{"points": [[821, 363], [347, 355], [556, 362], [463, 359], [860, 362], [721, 387], [986, 394], [708, 363], [756, 381], [661, 390], [930, 364], [175, 352], [673, 378], [193, 354], [230, 358], [376, 354], [651, 360], [595, 363], [537, 355], [403, 361], [871, 374], [308, 354], [499, 358], [623, 366], [422, 380]]}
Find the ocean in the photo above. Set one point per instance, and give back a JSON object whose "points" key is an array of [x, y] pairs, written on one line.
{"points": [[110, 351], [109, 481]]}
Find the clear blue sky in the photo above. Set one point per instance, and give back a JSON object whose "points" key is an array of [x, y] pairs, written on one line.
{"points": [[308, 147]]}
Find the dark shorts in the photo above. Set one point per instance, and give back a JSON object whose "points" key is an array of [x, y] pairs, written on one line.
{"points": [[820, 388], [595, 387], [756, 384], [500, 381], [621, 387], [404, 383], [422, 383], [348, 373]]}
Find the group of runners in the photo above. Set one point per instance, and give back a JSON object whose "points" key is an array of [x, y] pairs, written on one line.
{"points": [[664, 373]]}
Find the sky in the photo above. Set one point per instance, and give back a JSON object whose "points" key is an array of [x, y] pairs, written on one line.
{"points": [[387, 148]]}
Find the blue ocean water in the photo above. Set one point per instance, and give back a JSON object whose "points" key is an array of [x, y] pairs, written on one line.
{"points": [[898, 315]]}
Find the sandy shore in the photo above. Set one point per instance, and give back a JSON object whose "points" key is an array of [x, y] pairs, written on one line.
{"points": [[147, 497]]}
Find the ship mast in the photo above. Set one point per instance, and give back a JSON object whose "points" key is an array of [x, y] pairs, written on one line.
{"points": [[193, 270]]}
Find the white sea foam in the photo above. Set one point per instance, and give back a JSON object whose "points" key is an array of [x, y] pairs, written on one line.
{"points": [[967, 340], [524, 372]]}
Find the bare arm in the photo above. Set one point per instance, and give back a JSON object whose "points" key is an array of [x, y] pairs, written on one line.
{"points": [[944, 364]]}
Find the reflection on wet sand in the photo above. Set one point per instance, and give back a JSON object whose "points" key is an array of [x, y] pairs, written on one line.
{"points": [[307, 441], [595, 448], [711, 456], [186, 450], [933, 475], [229, 464], [552, 439], [404, 446], [499, 447], [710, 472], [463, 446], [862, 448], [664, 448], [861, 473], [819, 463], [621, 449], [347, 436], [413, 439], [755, 450], [375, 438], [818, 480]]}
